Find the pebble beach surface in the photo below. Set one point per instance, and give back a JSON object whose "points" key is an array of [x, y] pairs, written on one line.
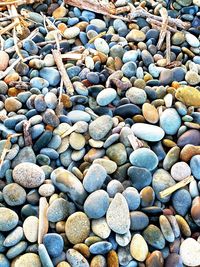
{"points": [[107, 174]]}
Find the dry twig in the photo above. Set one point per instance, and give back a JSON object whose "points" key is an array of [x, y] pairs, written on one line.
{"points": [[163, 31], [168, 47], [27, 135], [43, 221]]}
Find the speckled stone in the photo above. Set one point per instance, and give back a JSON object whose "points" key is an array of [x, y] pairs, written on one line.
{"points": [[138, 248], [180, 170], [28, 259], [30, 227], [8, 219], [189, 252], [100, 127], [154, 237], [117, 153]]}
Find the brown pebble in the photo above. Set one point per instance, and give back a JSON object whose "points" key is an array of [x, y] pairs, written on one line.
{"points": [[60, 227], [183, 225], [168, 143], [4, 60], [59, 12], [138, 118], [65, 99], [195, 210], [188, 152], [98, 261], [14, 92], [82, 25], [112, 259], [12, 104], [155, 259], [83, 249], [150, 113], [11, 77]]}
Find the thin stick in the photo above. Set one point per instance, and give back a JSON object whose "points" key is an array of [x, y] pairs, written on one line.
{"points": [[163, 32], [43, 221], [9, 27], [159, 23], [135, 142], [27, 135], [16, 45], [175, 187], [66, 80], [71, 56], [60, 91], [98, 36], [168, 47], [13, 12], [9, 17]]}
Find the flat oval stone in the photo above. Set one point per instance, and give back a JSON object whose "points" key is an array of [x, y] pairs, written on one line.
{"points": [[148, 132], [14, 194], [109, 165], [8, 219], [96, 204], [155, 259], [195, 166], [70, 184], [166, 229], [28, 175], [14, 237], [189, 252], [77, 220], [100, 127], [30, 227], [136, 95], [26, 154], [94, 178], [106, 96], [101, 45], [101, 228], [171, 157], [117, 153], [76, 259], [192, 40], [54, 244], [127, 110], [154, 237], [162, 180], [58, 210], [145, 158], [117, 215], [51, 75], [78, 115], [150, 113], [140, 177], [123, 240], [71, 32], [170, 121], [98, 261], [191, 137], [28, 259], [139, 220], [101, 247], [138, 248]]}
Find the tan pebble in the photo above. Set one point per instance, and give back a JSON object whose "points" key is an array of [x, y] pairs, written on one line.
{"points": [[27, 259], [147, 77], [112, 259], [91, 240], [188, 152], [98, 261], [138, 248], [14, 92], [63, 264], [60, 227], [162, 62], [83, 249], [30, 227], [138, 118], [192, 125], [4, 60], [183, 225], [12, 104], [82, 25], [60, 12], [43, 221], [150, 113], [11, 77], [95, 143], [168, 143]]}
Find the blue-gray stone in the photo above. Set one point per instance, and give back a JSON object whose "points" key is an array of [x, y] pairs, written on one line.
{"points": [[50, 152], [145, 158], [58, 210], [148, 132], [159, 150], [39, 83], [26, 154], [170, 121], [44, 256], [36, 130], [94, 178], [50, 118], [4, 262], [154, 237], [75, 258], [4, 167], [73, 71], [30, 47], [54, 244], [78, 115], [132, 198], [43, 160], [11, 122], [8, 219], [130, 56], [195, 166], [101, 247], [2, 240], [181, 201], [106, 96], [129, 69], [96, 204], [55, 142], [139, 220], [17, 250], [51, 75], [14, 237], [42, 141]]}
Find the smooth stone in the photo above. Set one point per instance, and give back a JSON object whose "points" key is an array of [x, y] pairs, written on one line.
{"points": [[26, 154], [44, 256], [140, 177], [71, 32], [166, 229], [173, 260], [51, 75], [98, 261], [106, 96], [117, 215], [132, 197], [189, 252], [100, 127], [136, 95], [4, 262], [192, 77], [50, 118], [192, 40], [76, 259], [77, 220], [94, 178], [129, 69], [181, 201], [124, 255], [162, 180], [148, 132], [147, 196], [58, 210], [180, 171], [130, 56], [101, 228], [101, 45], [191, 137], [188, 151], [14, 194], [54, 244], [154, 237], [28, 259], [150, 113], [195, 166], [170, 121], [109, 165], [70, 184], [112, 259], [190, 96], [101, 247], [195, 210], [77, 115], [77, 141], [123, 240], [127, 110], [16, 250], [139, 220], [155, 259], [117, 153], [145, 158], [8, 219], [138, 248], [96, 204], [135, 36], [171, 158], [28, 175], [50, 100], [39, 83], [14, 237]]}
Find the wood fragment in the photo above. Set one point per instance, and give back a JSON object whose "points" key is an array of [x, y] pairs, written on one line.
{"points": [[175, 187], [43, 221], [66, 80], [13, 12], [159, 24], [16, 45], [71, 56], [8, 18], [19, 2], [27, 135], [163, 31], [8, 28], [135, 142], [168, 47], [98, 36]]}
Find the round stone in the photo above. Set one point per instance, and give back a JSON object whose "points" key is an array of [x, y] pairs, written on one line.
{"points": [[106, 96], [138, 248], [50, 74], [30, 228], [117, 215], [170, 121], [8, 219], [28, 175], [195, 166], [135, 36], [148, 132], [145, 158], [189, 252], [80, 221], [192, 77], [101, 228], [12, 104], [180, 171], [14, 194], [4, 60], [100, 127], [140, 177], [77, 141], [154, 237], [117, 153], [54, 244], [58, 210], [132, 197], [96, 204], [136, 95], [139, 220], [28, 259], [101, 45], [71, 32], [130, 56], [109, 165], [123, 240]]}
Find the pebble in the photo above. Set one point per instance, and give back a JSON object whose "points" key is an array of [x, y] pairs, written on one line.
{"points": [[138, 248], [189, 252], [101, 247], [30, 228], [71, 32], [117, 153], [180, 171], [195, 166], [101, 228], [139, 220], [101, 45], [117, 215], [51, 75], [100, 127], [190, 96], [155, 259], [192, 40], [58, 210], [136, 96], [132, 197], [150, 113], [54, 244], [144, 158], [106, 96], [148, 132], [28, 175], [14, 194], [154, 237], [135, 36], [4, 60], [28, 259], [140, 177], [170, 121], [77, 220], [8, 219], [76, 259], [191, 137]]}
